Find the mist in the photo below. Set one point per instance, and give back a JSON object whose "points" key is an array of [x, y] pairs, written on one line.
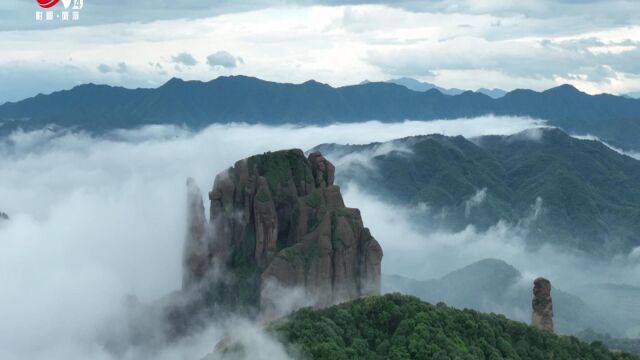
{"points": [[412, 252], [633, 154], [94, 219]]}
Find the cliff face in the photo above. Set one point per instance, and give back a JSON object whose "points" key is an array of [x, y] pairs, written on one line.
{"points": [[542, 316], [278, 218]]}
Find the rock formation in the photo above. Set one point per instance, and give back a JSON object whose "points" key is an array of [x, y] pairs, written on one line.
{"points": [[279, 237], [279, 218], [542, 316], [3, 216], [195, 260]]}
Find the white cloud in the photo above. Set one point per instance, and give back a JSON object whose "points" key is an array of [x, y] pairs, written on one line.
{"points": [[601, 13], [478, 198], [632, 154], [223, 59], [120, 68], [104, 68], [185, 59]]}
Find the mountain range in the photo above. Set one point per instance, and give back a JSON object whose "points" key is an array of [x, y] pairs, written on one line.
{"points": [[416, 85], [196, 104], [576, 193]]}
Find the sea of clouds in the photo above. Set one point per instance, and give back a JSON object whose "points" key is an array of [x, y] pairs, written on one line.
{"points": [[93, 219]]}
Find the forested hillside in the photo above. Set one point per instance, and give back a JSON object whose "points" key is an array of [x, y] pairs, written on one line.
{"points": [[402, 327], [558, 189]]}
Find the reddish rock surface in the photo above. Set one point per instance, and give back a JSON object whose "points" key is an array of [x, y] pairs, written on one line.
{"points": [[279, 217], [542, 316]]}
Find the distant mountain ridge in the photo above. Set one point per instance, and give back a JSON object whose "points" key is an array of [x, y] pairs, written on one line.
{"points": [[413, 84], [578, 194], [196, 104]]}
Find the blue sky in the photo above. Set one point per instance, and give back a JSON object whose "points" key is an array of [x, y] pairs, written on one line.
{"points": [[594, 45]]}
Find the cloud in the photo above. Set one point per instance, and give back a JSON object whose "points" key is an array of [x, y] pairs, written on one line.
{"points": [[104, 68], [158, 68], [478, 198], [614, 12], [223, 59], [254, 343], [185, 59], [569, 59], [362, 158], [632, 154], [120, 68]]}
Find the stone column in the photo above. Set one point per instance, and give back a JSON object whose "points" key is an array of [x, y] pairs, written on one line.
{"points": [[542, 316]]}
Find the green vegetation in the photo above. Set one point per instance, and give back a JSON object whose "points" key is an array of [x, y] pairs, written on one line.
{"points": [[263, 195], [279, 168], [245, 273], [589, 194], [249, 244], [314, 200], [307, 259], [297, 255], [336, 242], [297, 169], [402, 327], [628, 345], [274, 167], [293, 232], [313, 220]]}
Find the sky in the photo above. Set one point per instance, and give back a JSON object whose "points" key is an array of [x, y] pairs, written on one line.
{"points": [[592, 44]]}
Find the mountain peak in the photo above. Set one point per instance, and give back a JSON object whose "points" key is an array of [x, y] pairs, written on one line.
{"points": [[486, 266], [174, 81], [563, 89], [315, 84], [494, 93]]}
